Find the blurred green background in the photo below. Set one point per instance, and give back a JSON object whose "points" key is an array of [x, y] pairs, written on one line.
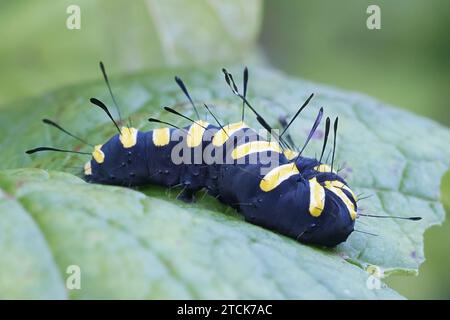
{"points": [[406, 63]]}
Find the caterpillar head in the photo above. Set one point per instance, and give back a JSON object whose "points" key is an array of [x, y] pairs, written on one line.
{"points": [[332, 202], [120, 161]]}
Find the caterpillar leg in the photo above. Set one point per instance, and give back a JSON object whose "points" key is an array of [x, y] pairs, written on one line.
{"points": [[187, 195]]}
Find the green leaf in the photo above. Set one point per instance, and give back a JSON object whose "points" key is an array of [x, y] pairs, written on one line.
{"points": [[146, 244], [129, 245]]}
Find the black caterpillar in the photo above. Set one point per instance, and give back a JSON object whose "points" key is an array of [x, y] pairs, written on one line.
{"points": [[300, 197]]}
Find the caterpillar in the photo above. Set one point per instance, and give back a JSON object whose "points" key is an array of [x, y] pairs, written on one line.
{"points": [[300, 197]]}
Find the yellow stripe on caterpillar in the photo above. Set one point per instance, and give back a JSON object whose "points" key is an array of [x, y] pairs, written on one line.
{"points": [[161, 137], [128, 137], [336, 187], [340, 185], [290, 154], [316, 198], [323, 168], [277, 175], [98, 154], [224, 134], [195, 134], [253, 147]]}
